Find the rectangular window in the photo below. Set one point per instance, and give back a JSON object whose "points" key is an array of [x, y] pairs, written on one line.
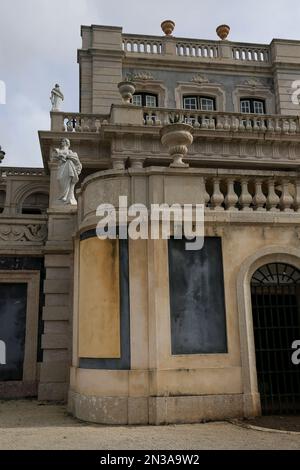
{"points": [[137, 100], [190, 103], [197, 301], [253, 106], [151, 101], [258, 107], [207, 104], [245, 106]]}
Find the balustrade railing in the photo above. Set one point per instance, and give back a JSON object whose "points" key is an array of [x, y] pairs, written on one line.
{"points": [[247, 52], [142, 44], [218, 121], [76, 122], [196, 48], [261, 192]]}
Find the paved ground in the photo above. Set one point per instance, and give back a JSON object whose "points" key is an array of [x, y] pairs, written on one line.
{"points": [[283, 423], [27, 425]]}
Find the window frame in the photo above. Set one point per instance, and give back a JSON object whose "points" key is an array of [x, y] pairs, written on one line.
{"points": [[144, 95], [252, 101], [198, 98]]}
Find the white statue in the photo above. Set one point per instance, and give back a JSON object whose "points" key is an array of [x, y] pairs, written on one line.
{"points": [[56, 98], [68, 171]]}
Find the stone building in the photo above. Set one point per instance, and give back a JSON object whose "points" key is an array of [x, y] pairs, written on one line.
{"points": [[143, 331]]}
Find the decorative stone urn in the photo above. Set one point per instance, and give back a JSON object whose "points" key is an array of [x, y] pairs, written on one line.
{"points": [[222, 31], [168, 27], [177, 137], [127, 90]]}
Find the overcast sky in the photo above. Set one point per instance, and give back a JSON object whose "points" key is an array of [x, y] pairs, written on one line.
{"points": [[39, 40]]}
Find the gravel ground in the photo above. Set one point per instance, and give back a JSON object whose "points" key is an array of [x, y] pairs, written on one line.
{"points": [[29, 425]]}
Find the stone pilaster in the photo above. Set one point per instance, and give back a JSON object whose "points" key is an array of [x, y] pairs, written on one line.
{"points": [[57, 312]]}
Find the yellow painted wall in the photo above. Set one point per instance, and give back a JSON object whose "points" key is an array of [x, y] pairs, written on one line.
{"points": [[99, 299]]}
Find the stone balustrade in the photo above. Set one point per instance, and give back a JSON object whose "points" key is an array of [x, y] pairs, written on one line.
{"points": [[252, 53], [77, 122], [197, 49], [142, 44], [253, 191], [229, 122]]}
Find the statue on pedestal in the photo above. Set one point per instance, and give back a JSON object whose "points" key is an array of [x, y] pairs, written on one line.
{"points": [[68, 172], [56, 98]]}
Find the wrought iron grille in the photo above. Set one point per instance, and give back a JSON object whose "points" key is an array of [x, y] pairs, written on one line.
{"points": [[275, 290]]}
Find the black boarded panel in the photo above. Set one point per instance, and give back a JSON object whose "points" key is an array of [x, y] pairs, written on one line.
{"points": [[13, 301], [198, 321]]}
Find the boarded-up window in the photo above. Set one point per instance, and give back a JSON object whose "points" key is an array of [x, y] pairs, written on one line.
{"points": [[198, 321]]}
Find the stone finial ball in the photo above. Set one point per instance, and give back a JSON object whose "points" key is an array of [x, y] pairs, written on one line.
{"points": [[168, 27], [222, 31]]}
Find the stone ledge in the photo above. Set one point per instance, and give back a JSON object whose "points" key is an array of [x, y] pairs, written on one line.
{"points": [[155, 410]]}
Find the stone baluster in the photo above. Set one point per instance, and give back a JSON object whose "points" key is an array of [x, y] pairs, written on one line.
{"points": [[204, 124], [245, 199], [211, 124], [217, 198], [249, 125], [70, 127], [78, 127], [297, 196], [241, 124], [206, 194], [293, 126], [255, 125], [286, 199], [97, 125], [231, 198], [272, 198], [262, 125], [259, 199], [219, 125], [226, 124], [277, 126], [285, 126], [270, 125], [234, 124]]}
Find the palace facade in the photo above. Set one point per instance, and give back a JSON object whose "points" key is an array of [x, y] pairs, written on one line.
{"points": [[144, 331]]}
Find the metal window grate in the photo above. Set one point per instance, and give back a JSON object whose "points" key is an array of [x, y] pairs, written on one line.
{"points": [[275, 290]]}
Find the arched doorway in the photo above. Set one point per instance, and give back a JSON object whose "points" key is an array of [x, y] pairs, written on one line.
{"points": [[275, 294]]}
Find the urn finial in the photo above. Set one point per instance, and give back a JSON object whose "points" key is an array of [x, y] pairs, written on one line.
{"points": [[222, 31], [168, 27]]}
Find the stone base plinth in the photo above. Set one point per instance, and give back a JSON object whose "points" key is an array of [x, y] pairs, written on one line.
{"points": [[155, 410]]}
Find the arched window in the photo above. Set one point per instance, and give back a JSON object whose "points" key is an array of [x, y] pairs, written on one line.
{"points": [[35, 203]]}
